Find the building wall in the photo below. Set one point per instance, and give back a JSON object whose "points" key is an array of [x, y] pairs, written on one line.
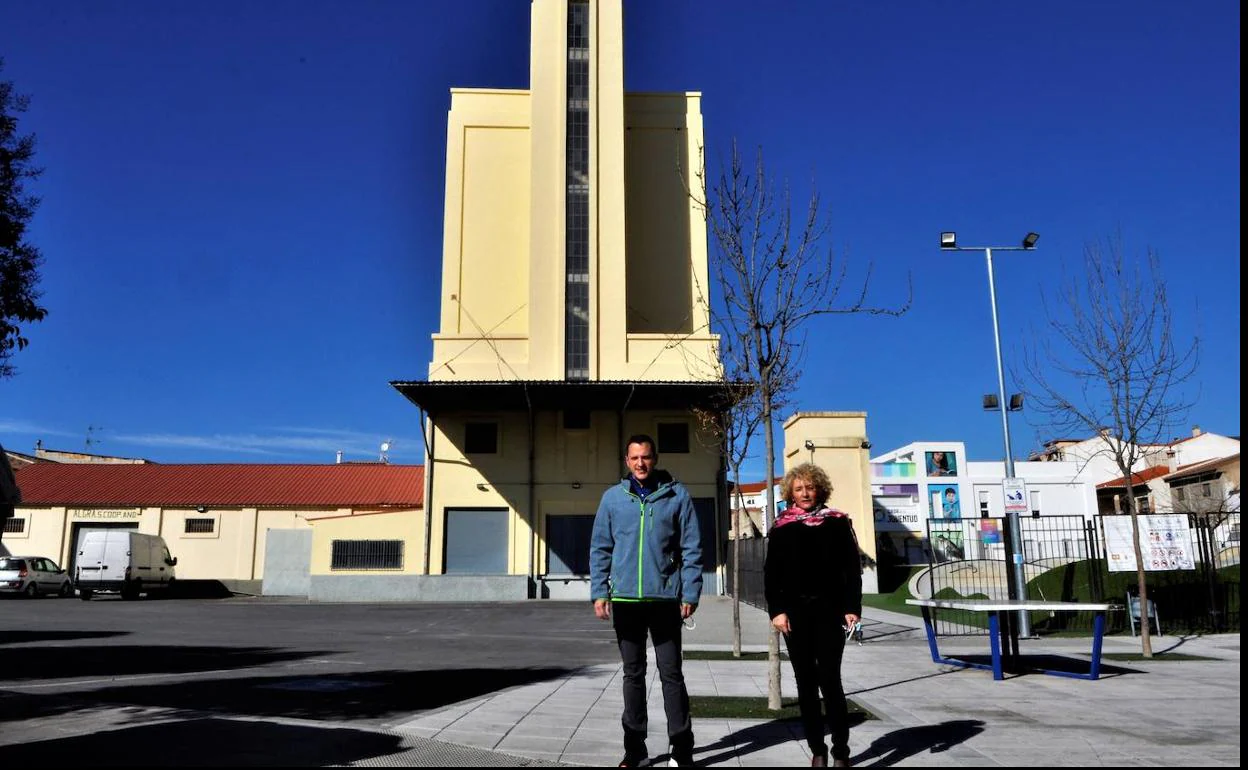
{"points": [[233, 551], [839, 446], [486, 241], [903, 492], [571, 470], [404, 525]]}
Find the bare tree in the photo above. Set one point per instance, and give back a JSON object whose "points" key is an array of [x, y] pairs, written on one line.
{"points": [[774, 273], [1112, 367], [733, 427]]}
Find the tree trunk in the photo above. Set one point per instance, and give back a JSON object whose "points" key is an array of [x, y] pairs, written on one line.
{"points": [[1146, 640], [774, 699], [736, 570]]}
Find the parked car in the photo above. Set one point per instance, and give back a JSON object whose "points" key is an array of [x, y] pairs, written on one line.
{"points": [[31, 576]]}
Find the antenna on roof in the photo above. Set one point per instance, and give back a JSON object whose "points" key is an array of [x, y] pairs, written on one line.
{"points": [[385, 447]]}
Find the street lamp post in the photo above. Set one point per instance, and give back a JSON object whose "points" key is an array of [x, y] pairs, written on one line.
{"points": [[949, 242]]}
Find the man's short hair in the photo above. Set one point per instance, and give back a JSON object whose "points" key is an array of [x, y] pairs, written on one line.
{"points": [[641, 438]]}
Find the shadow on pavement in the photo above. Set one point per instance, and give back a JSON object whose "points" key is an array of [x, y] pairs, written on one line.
{"points": [[334, 697], [904, 743], [370, 695], [209, 742], [51, 663], [23, 636], [758, 737], [1034, 664]]}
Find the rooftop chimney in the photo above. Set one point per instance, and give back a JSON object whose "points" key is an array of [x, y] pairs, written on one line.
{"points": [[339, 459], [1196, 431], [1172, 459]]}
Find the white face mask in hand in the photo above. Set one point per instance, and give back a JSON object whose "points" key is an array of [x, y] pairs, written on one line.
{"points": [[854, 632]]}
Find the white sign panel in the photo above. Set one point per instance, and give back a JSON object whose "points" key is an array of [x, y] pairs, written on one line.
{"points": [[898, 517], [1165, 542], [1015, 495]]}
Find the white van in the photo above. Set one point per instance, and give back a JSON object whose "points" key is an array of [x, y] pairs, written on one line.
{"points": [[122, 561]]}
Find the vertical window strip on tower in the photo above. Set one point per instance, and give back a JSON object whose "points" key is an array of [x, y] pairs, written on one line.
{"points": [[576, 266]]}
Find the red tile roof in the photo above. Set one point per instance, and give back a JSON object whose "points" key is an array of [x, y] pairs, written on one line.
{"points": [[1140, 477], [756, 486], [238, 485]]}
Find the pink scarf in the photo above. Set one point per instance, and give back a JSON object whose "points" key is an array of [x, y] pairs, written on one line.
{"points": [[809, 518]]}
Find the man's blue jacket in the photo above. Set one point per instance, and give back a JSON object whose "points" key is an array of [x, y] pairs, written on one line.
{"points": [[646, 549]]}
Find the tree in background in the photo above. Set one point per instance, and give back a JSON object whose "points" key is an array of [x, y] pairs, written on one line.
{"points": [[733, 426], [19, 260], [774, 273], [1113, 368]]}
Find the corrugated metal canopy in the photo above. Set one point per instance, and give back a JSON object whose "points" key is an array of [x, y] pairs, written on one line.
{"points": [[438, 397]]}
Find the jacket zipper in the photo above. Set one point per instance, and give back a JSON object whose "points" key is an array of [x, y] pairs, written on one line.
{"points": [[641, 545]]}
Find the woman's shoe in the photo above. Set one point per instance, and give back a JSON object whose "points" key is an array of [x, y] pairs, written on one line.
{"points": [[818, 760], [840, 763]]}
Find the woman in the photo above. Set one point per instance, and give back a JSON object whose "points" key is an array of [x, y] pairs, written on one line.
{"points": [[813, 586]]}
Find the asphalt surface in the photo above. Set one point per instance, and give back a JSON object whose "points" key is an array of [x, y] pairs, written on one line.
{"points": [[262, 682], [257, 682]]}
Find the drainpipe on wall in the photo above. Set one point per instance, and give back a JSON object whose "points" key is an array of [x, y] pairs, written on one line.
{"points": [[532, 494], [430, 429]]}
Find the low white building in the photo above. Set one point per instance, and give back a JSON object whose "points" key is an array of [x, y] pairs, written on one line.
{"points": [[935, 480]]}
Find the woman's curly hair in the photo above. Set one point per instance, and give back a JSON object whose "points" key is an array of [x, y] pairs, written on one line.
{"points": [[811, 474]]}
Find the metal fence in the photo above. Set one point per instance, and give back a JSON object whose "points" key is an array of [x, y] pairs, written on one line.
{"points": [[753, 554], [1064, 560]]}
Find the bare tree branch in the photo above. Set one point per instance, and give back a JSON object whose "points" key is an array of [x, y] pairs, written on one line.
{"points": [[1112, 366]]}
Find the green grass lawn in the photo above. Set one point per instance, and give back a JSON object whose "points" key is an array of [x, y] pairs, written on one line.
{"points": [[740, 707], [727, 655]]}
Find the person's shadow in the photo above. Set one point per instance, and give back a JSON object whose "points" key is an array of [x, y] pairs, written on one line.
{"points": [[899, 744], [756, 738]]}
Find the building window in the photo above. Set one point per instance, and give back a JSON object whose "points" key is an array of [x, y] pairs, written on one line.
{"points": [[1035, 502], [481, 438], [1180, 494], [367, 555], [983, 504], [1141, 505], [14, 526], [200, 526], [1206, 490], [576, 197], [576, 419], [673, 438]]}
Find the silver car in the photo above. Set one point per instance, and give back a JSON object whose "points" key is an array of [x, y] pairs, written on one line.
{"points": [[32, 576]]}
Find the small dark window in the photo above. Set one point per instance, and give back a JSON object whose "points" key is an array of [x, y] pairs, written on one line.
{"points": [[1206, 490], [14, 526], [576, 419], [673, 438], [367, 554], [481, 438], [200, 526], [1180, 494]]}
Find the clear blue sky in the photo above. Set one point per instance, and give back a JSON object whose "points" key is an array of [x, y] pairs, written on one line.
{"points": [[242, 201]]}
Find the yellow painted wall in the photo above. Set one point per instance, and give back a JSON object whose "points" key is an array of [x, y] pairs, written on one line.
{"points": [[564, 459], [402, 525], [485, 318], [233, 551], [838, 438]]}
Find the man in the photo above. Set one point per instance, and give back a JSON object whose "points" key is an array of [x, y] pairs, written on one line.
{"points": [[10, 495], [645, 565]]}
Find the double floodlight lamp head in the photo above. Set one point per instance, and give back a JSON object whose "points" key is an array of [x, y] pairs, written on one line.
{"points": [[949, 241], [992, 403]]}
